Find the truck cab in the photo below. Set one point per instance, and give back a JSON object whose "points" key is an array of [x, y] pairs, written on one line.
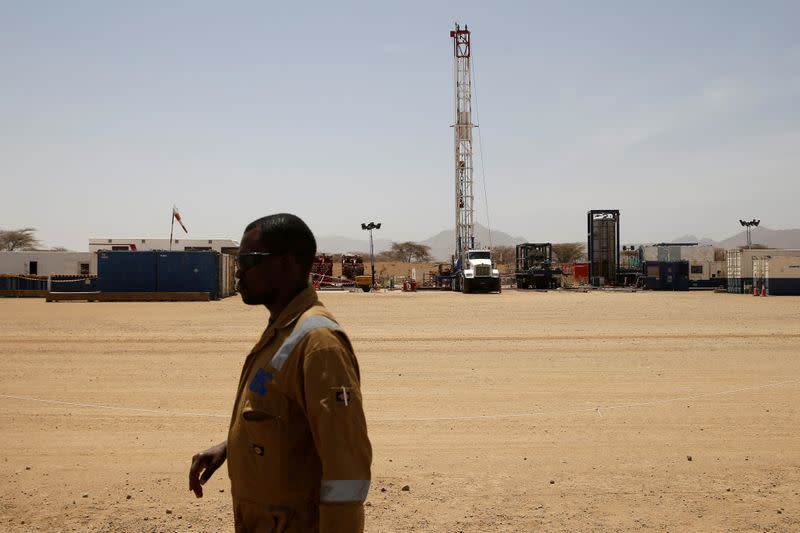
{"points": [[478, 273]]}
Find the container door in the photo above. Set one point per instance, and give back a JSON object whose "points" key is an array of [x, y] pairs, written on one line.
{"points": [[188, 272], [124, 271]]}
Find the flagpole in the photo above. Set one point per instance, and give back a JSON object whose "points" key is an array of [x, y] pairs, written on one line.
{"points": [[171, 227]]}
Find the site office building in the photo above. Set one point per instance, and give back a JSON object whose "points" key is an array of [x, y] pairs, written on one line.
{"points": [[44, 263], [222, 246]]}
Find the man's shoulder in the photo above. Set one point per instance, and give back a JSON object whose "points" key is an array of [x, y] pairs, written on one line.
{"points": [[326, 333], [320, 330], [315, 330]]}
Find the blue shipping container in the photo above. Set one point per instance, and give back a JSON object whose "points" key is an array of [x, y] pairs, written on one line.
{"points": [[189, 272], [666, 275], [126, 271]]}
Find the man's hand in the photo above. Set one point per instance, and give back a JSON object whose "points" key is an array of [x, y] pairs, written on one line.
{"points": [[204, 464]]}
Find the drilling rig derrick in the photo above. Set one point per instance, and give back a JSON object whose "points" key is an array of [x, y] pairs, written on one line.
{"points": [[473, 269]]}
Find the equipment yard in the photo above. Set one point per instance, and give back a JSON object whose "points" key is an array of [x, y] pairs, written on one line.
{"points": [[571, 411]]}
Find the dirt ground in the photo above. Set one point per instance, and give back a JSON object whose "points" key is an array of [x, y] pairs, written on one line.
{"points": [[524, 411]]}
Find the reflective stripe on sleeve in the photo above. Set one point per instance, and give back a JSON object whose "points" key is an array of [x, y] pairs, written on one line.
{"points": [[344, 490], [310, 323]]}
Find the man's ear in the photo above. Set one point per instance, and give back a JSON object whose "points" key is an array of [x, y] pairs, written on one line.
{"points": [[289, 266]]}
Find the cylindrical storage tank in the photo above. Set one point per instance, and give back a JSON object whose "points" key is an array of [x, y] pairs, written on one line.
{"points": [[126, 271], [782, 275]]}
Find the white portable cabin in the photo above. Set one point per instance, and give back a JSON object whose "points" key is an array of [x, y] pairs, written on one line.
{"points": [[44, 263], [779, 275], [741, 262], [707, 265]]}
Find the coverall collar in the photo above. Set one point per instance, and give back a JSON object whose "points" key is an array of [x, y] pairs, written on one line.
{"points": [[299, 304], [306, 299]]}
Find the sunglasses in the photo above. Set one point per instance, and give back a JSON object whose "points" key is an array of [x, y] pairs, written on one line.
{"points": [[250, 259]]}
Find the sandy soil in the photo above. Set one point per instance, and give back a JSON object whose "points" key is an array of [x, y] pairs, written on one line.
{"points": [[515, 412]]}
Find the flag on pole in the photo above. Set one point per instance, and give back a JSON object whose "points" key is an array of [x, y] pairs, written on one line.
{"points": [[177, 216]]}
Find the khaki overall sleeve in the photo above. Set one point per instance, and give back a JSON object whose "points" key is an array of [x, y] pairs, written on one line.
{"points": [[336, 416]]}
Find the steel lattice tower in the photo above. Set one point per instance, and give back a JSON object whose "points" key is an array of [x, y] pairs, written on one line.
{"points": [[462, 129]]}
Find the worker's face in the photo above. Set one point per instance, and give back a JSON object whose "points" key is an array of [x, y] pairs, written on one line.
{"points": [[263, 279]]}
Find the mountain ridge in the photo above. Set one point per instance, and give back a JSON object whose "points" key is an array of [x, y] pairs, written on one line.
{"points": [[442, 243]]}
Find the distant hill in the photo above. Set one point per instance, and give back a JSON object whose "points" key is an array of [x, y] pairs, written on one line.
{"points": [[442, 243], [772, 238]]}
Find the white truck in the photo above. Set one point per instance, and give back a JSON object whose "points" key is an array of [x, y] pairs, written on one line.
{"points": [[478, 273]]}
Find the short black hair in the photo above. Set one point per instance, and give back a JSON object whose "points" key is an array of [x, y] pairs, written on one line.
{"points": [[284, 233]]}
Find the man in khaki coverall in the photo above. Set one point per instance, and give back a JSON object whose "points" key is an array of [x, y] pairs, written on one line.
{"points": [[297, 450]]}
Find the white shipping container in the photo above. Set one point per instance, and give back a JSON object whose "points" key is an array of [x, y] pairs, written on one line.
{"points": [[783, 267], [782, 274], [740, 265], [227, 279]]}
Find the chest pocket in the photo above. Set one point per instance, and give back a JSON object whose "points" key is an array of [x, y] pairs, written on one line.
{"points": [[263, 413], [264, 402]]}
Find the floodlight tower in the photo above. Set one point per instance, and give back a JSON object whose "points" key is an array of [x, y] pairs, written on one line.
{"points": [[462, 129], [369, 227], [749, 225]]}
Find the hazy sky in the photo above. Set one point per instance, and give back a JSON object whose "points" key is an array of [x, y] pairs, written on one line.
{"points": [[683, 115]]}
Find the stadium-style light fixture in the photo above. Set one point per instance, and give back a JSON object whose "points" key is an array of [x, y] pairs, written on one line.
{"points": [[369, 226], [749, 225]]}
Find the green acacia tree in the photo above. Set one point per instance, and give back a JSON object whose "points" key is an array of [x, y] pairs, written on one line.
{"points": [[409, 252], [568, 252]]}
